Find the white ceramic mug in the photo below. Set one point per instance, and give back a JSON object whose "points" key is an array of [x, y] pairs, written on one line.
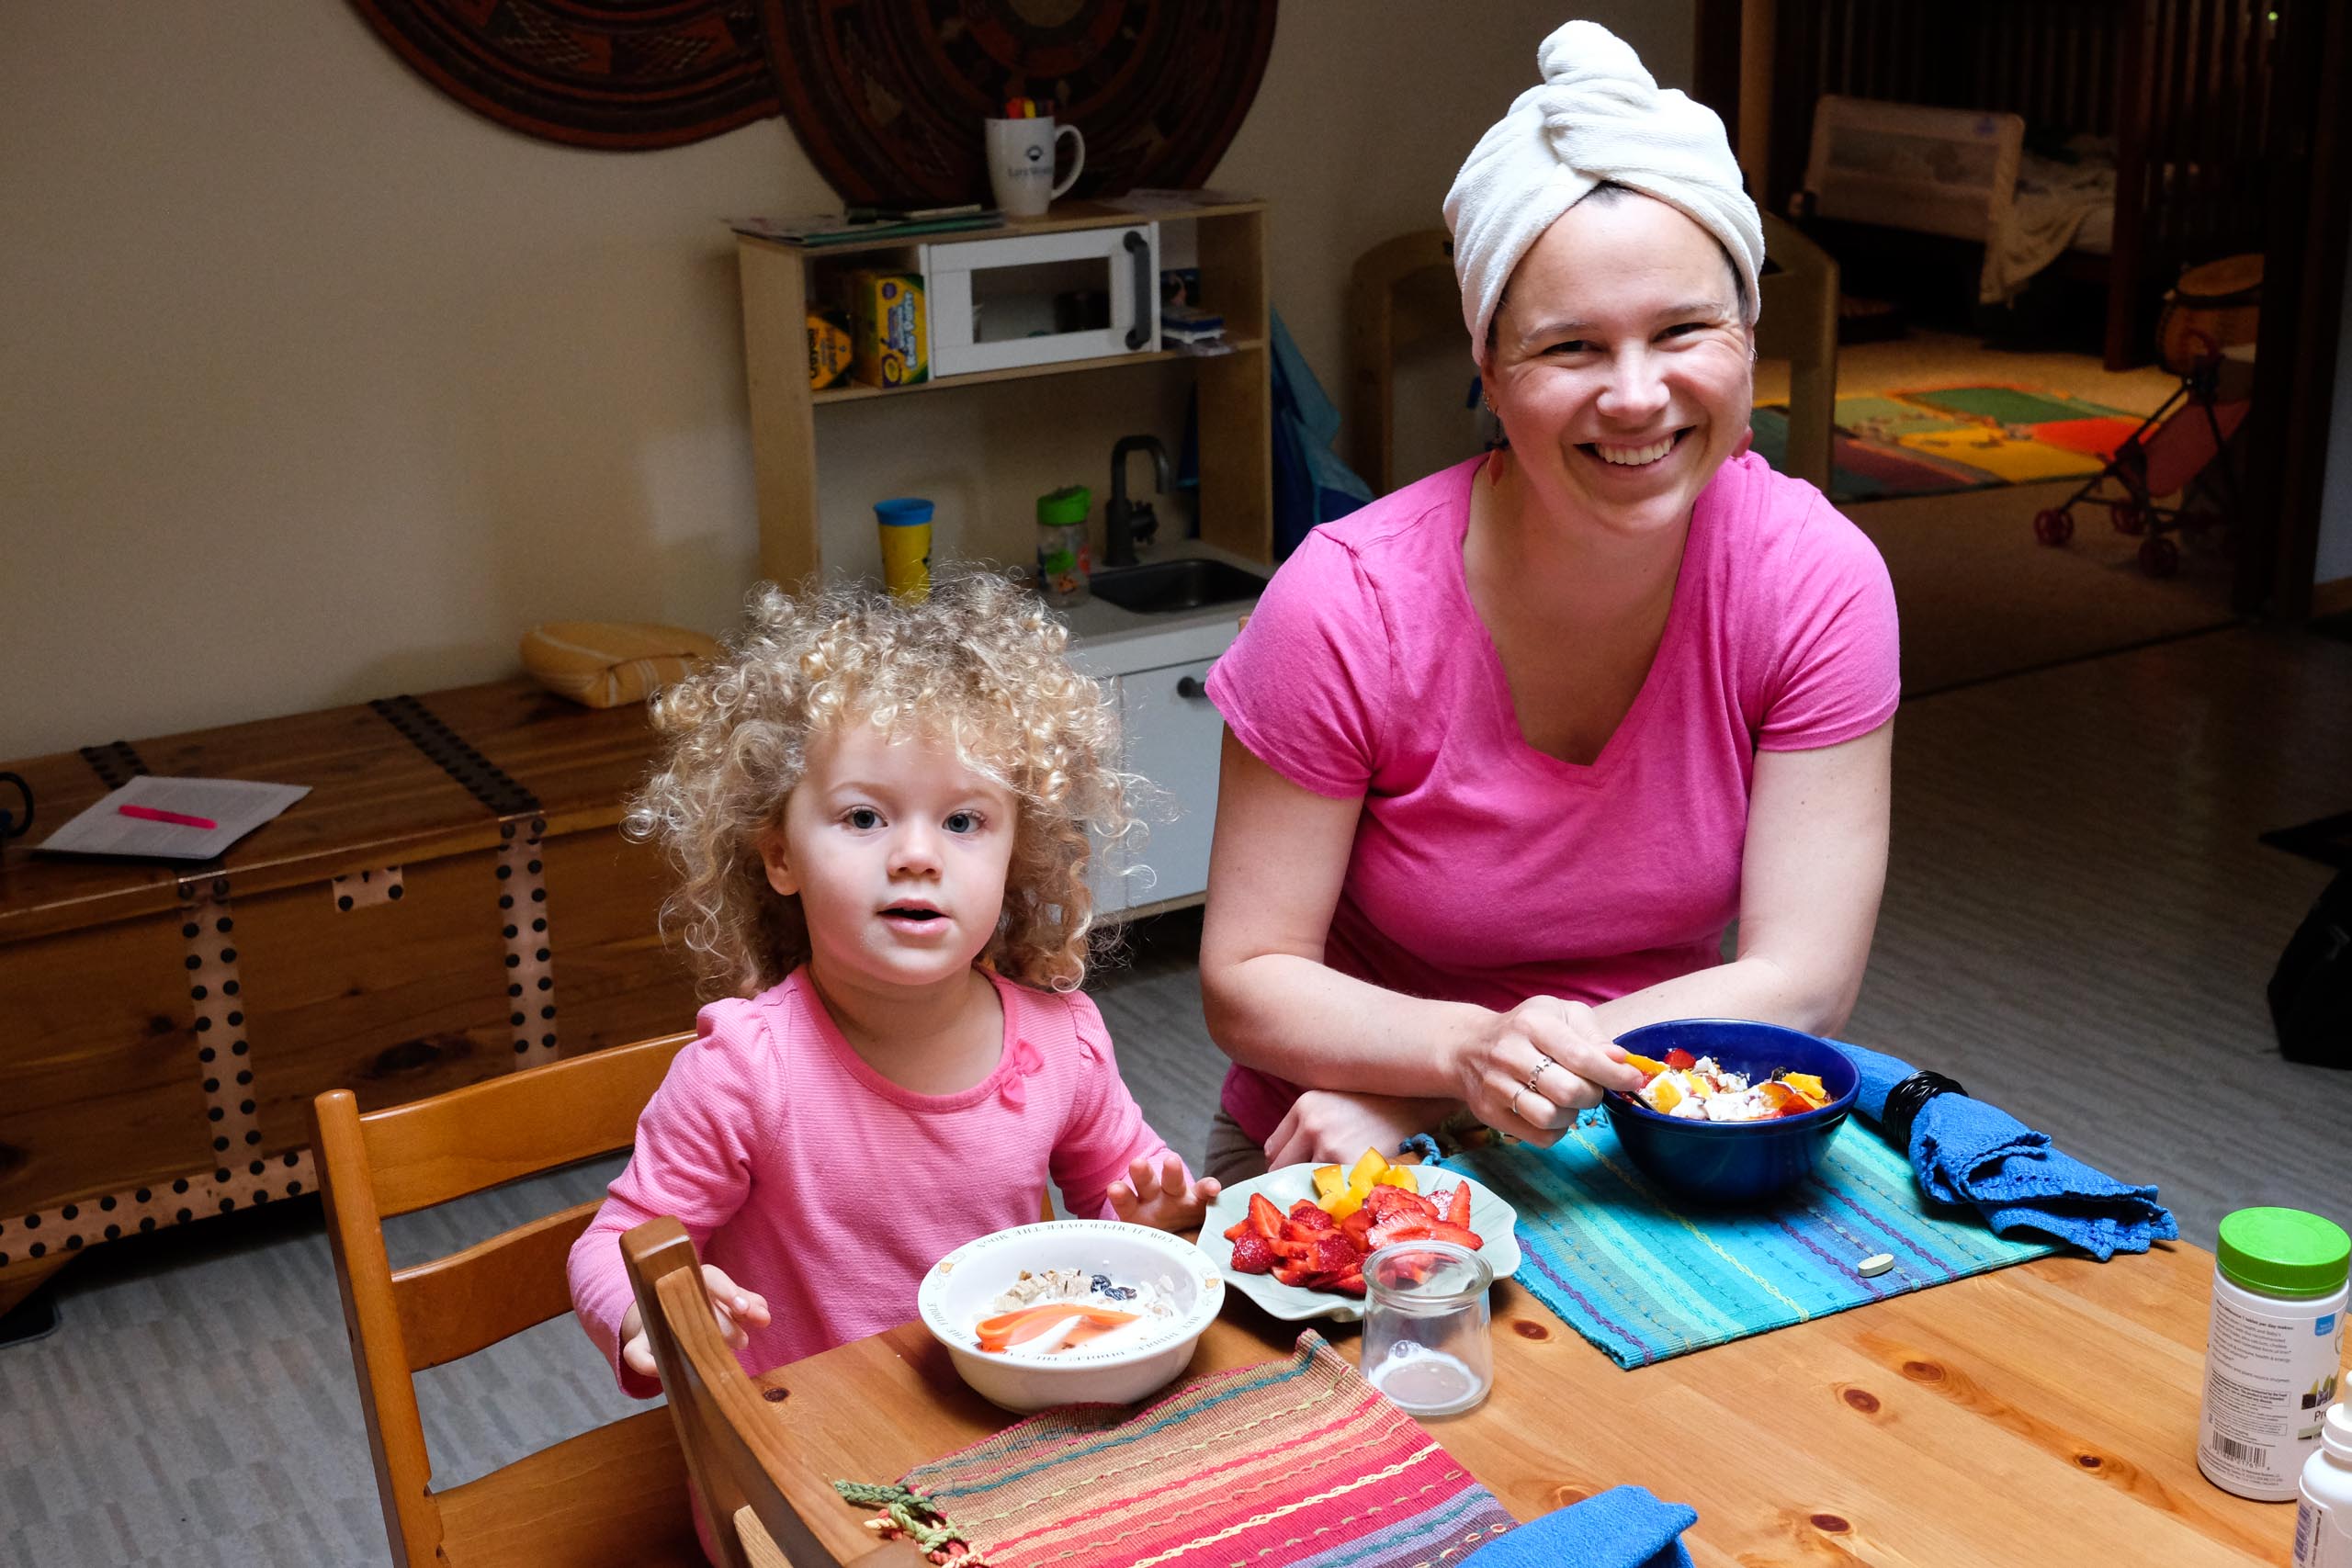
{"points": [[1020, 163]]}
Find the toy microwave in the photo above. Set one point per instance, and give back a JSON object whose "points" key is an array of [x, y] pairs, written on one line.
{"points": [[1040, 299]]}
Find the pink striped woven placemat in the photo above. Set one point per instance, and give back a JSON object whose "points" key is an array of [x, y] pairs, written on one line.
{"points": [[1295, 1462]]}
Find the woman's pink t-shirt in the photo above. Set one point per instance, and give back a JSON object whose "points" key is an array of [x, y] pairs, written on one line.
{"points": [[813, 1180], [1485, 870]]}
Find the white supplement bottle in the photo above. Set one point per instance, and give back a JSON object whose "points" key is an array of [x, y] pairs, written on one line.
{"points": [[2324, 1522], [2273, 1351]]}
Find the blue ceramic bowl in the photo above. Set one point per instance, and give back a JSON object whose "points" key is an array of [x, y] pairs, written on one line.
{"points": [[1733, 1162]]}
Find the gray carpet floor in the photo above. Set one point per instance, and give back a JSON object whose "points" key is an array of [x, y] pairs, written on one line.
{"points": [[2078, 922]]}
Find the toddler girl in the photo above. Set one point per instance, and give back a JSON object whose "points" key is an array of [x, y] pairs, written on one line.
{"points": [[878, 811]]}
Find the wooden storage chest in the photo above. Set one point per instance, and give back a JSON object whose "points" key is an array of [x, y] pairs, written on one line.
{"points": [[453, 900]]}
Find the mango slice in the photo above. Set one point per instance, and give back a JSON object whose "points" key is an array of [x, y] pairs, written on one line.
{"points": [[1808, 1085]]}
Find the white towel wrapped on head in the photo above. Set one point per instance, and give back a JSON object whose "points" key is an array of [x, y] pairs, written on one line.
{"points": [[1597, 117]]}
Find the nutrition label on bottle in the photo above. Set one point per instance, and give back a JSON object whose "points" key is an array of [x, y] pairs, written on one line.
{"points": [[2268, 1381]]}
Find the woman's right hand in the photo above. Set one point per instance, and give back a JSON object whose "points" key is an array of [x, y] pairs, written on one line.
{"points": [[1529, 1070], [731, 1304]]}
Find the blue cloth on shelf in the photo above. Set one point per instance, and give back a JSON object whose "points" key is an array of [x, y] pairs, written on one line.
{"points": [[1311, 484], [1966, 1151], [1624, 1527]]}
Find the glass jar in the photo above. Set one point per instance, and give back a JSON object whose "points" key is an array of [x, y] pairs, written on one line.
{"points": [[1425, 1326]]}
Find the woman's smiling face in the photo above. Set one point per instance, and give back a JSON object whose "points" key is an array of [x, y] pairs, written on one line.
{"points": [[1621, 367]]}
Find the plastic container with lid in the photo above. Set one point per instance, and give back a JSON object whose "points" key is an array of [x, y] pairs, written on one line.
{"points": [[1064, 562], [2324, 1520], [2273, 1351], [905, 525]]}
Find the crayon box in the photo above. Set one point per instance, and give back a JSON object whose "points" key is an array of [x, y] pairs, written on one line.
{"points": [[888, 335]]}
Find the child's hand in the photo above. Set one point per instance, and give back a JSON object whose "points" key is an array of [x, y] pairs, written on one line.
{"points": [[1156, 1194], [730, 1302]]}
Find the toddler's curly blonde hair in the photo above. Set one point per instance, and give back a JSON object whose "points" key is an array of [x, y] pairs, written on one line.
{"points": [[979, 663]]}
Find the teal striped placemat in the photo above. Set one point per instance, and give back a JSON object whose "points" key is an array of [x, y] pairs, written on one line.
{"points": [[1644, 1278]]}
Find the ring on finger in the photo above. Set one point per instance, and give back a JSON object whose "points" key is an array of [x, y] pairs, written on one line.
{"points": [[1514, 1103], [1538, 1073]]}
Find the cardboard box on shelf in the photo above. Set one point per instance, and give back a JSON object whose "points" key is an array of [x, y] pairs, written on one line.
{"points": [[888, 333]]}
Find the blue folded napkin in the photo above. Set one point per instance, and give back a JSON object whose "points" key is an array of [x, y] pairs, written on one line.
{"points": [[1624, 1527], [1967, 1152]]}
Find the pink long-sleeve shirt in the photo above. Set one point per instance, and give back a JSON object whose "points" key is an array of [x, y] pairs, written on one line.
{"points": [[811, 1178]]}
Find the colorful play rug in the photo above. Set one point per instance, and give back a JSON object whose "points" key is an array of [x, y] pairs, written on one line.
{"points": [[1297, 1461], [1940, 440], [1646, 1279]]}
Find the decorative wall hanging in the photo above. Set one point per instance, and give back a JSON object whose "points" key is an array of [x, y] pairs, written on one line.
{"points": [[888, 96], [619, 75]]}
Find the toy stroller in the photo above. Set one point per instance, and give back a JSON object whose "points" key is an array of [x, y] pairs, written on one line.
{"points": [[2183, 447]]}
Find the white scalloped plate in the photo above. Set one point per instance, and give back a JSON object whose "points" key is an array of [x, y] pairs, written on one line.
{"points": [[1493, 1220]]}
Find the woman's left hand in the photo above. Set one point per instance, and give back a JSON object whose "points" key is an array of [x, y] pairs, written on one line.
{"points": [[1326, 1126], [1155, 1194]]}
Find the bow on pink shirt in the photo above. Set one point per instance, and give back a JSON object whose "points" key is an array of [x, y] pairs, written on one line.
{"points": [[1026, 1064]]}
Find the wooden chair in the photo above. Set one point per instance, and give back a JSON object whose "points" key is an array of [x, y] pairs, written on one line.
{"points": [[1400, 292], [1800, 324], [614, 1496], [1403, 291], [734, 1445]]}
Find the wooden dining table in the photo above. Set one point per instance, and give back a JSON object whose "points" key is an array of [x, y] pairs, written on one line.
{"points": [[2044, 1413]]}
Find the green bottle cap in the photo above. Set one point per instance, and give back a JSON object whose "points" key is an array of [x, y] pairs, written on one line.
{"points": [[1065, 506], [2283, 1252]]}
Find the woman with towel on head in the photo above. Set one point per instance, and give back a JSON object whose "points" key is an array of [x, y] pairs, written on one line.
{"points": [[1509, 751]]}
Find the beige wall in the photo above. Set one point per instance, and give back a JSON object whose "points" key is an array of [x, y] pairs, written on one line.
{"points": [[315, 388]]}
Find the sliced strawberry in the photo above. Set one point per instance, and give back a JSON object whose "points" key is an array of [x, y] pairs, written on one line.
{"points": [[1304, 1215], [1294, 1274], [1386, 1200], [1347, 1284], [1297, 1249], [1241, 1227], [1251, 1255], [1460, 1236], [1264, 1218], [1457, 1206], [1336, 1255], [1358, 1225], [1679, 1057], [1399, 1227]]}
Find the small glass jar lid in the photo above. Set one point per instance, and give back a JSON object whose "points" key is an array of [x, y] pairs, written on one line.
{"points": [[1426, 1276]]}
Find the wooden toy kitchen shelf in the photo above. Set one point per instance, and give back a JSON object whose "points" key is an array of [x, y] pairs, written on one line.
{"points": [[1234, 394]]}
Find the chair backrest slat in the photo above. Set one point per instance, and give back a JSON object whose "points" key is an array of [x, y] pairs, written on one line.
{"points": [[371, 1316], [759, 1549], [469, 1301], [410, 1156], [734, 1448], [430, 1151]]}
